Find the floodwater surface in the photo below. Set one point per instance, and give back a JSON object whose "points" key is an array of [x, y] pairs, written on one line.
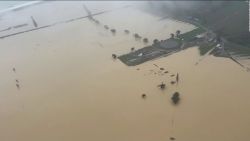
{"points": [[70, 88]]}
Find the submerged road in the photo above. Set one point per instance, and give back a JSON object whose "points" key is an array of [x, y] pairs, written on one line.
{"points": [[50, 25]]}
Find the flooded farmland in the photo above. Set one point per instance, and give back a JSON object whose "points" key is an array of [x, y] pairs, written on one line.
{"points": [[60, 82]]}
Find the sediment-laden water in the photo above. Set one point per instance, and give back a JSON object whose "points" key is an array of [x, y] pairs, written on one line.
{"points": [[70, 88]]}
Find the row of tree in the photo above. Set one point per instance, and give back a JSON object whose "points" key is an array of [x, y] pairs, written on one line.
{"points": [[177, 34]]}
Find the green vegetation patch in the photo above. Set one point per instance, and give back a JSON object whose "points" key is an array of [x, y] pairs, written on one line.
{"points": [[141, 55], [189, 36], [237, 49], [205, 47]]}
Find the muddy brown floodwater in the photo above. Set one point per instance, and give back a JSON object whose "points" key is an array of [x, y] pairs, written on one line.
{"points": [[72, 90]]}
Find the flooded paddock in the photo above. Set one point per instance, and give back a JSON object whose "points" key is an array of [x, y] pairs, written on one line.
{"points": [[70, 87]]}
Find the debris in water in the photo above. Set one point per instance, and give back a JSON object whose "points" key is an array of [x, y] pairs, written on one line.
{"points": [[132, 49], [17, 81], [18, 86], [96, 21], [176, 97], [172, 138], [145, 40], [144, 96], [106, 27], [137, 36], [114, 56], [156, 65], [138, 69], [113, 31], [172, 75], [14, 69], [126, 31], [172, 82], [162, 85], [161, 68], [166, 72]]}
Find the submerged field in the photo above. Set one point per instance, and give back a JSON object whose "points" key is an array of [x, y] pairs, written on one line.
{"points": [[72, 89]]}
